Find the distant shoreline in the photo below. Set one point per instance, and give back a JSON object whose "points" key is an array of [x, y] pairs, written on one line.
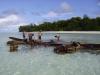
{"points": [[66, 32], [83, 32]]}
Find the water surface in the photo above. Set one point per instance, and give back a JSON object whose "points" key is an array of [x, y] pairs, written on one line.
{"points": [[42, 60]]}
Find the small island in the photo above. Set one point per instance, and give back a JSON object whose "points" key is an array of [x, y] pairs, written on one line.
{"points": [[74, 24]]}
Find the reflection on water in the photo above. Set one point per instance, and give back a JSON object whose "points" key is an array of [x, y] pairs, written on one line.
{"points": [[42, 61]]}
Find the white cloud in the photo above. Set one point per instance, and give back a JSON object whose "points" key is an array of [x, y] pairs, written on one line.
{"points": [[11, 19], [50, 14], [65, 7], [10, 22]]}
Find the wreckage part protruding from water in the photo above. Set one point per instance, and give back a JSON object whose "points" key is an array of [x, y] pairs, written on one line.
{"points": [[70, 48], [13, 48], [14, 45]]}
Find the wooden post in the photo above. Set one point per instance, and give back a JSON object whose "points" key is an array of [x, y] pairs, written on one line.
{"points": [[13, 46]]}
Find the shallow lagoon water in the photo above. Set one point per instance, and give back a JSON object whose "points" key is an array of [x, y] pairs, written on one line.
{"points": [[42, 60]]}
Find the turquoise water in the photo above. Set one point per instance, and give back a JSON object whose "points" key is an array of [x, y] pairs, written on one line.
{"points": [[42, 61]]}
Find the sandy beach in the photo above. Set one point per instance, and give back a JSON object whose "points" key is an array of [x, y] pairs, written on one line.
{"points": [[83, 32]]}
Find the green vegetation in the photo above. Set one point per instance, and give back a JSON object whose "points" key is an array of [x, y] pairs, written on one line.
{"points": [[73, 24]]}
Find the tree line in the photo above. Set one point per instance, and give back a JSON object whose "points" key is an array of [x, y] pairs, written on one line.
{"points": [[73, 24]]}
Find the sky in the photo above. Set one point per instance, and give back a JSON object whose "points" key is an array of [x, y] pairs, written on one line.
{"points": [[14, 13]]}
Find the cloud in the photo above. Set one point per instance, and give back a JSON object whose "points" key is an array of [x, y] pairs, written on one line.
{"points": [[11, 17], [11, 23], [8, 12], [98, 3], [64, 9], [98, 14], [36, 14], [50, 14], [9, 20], [12, 11]]}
